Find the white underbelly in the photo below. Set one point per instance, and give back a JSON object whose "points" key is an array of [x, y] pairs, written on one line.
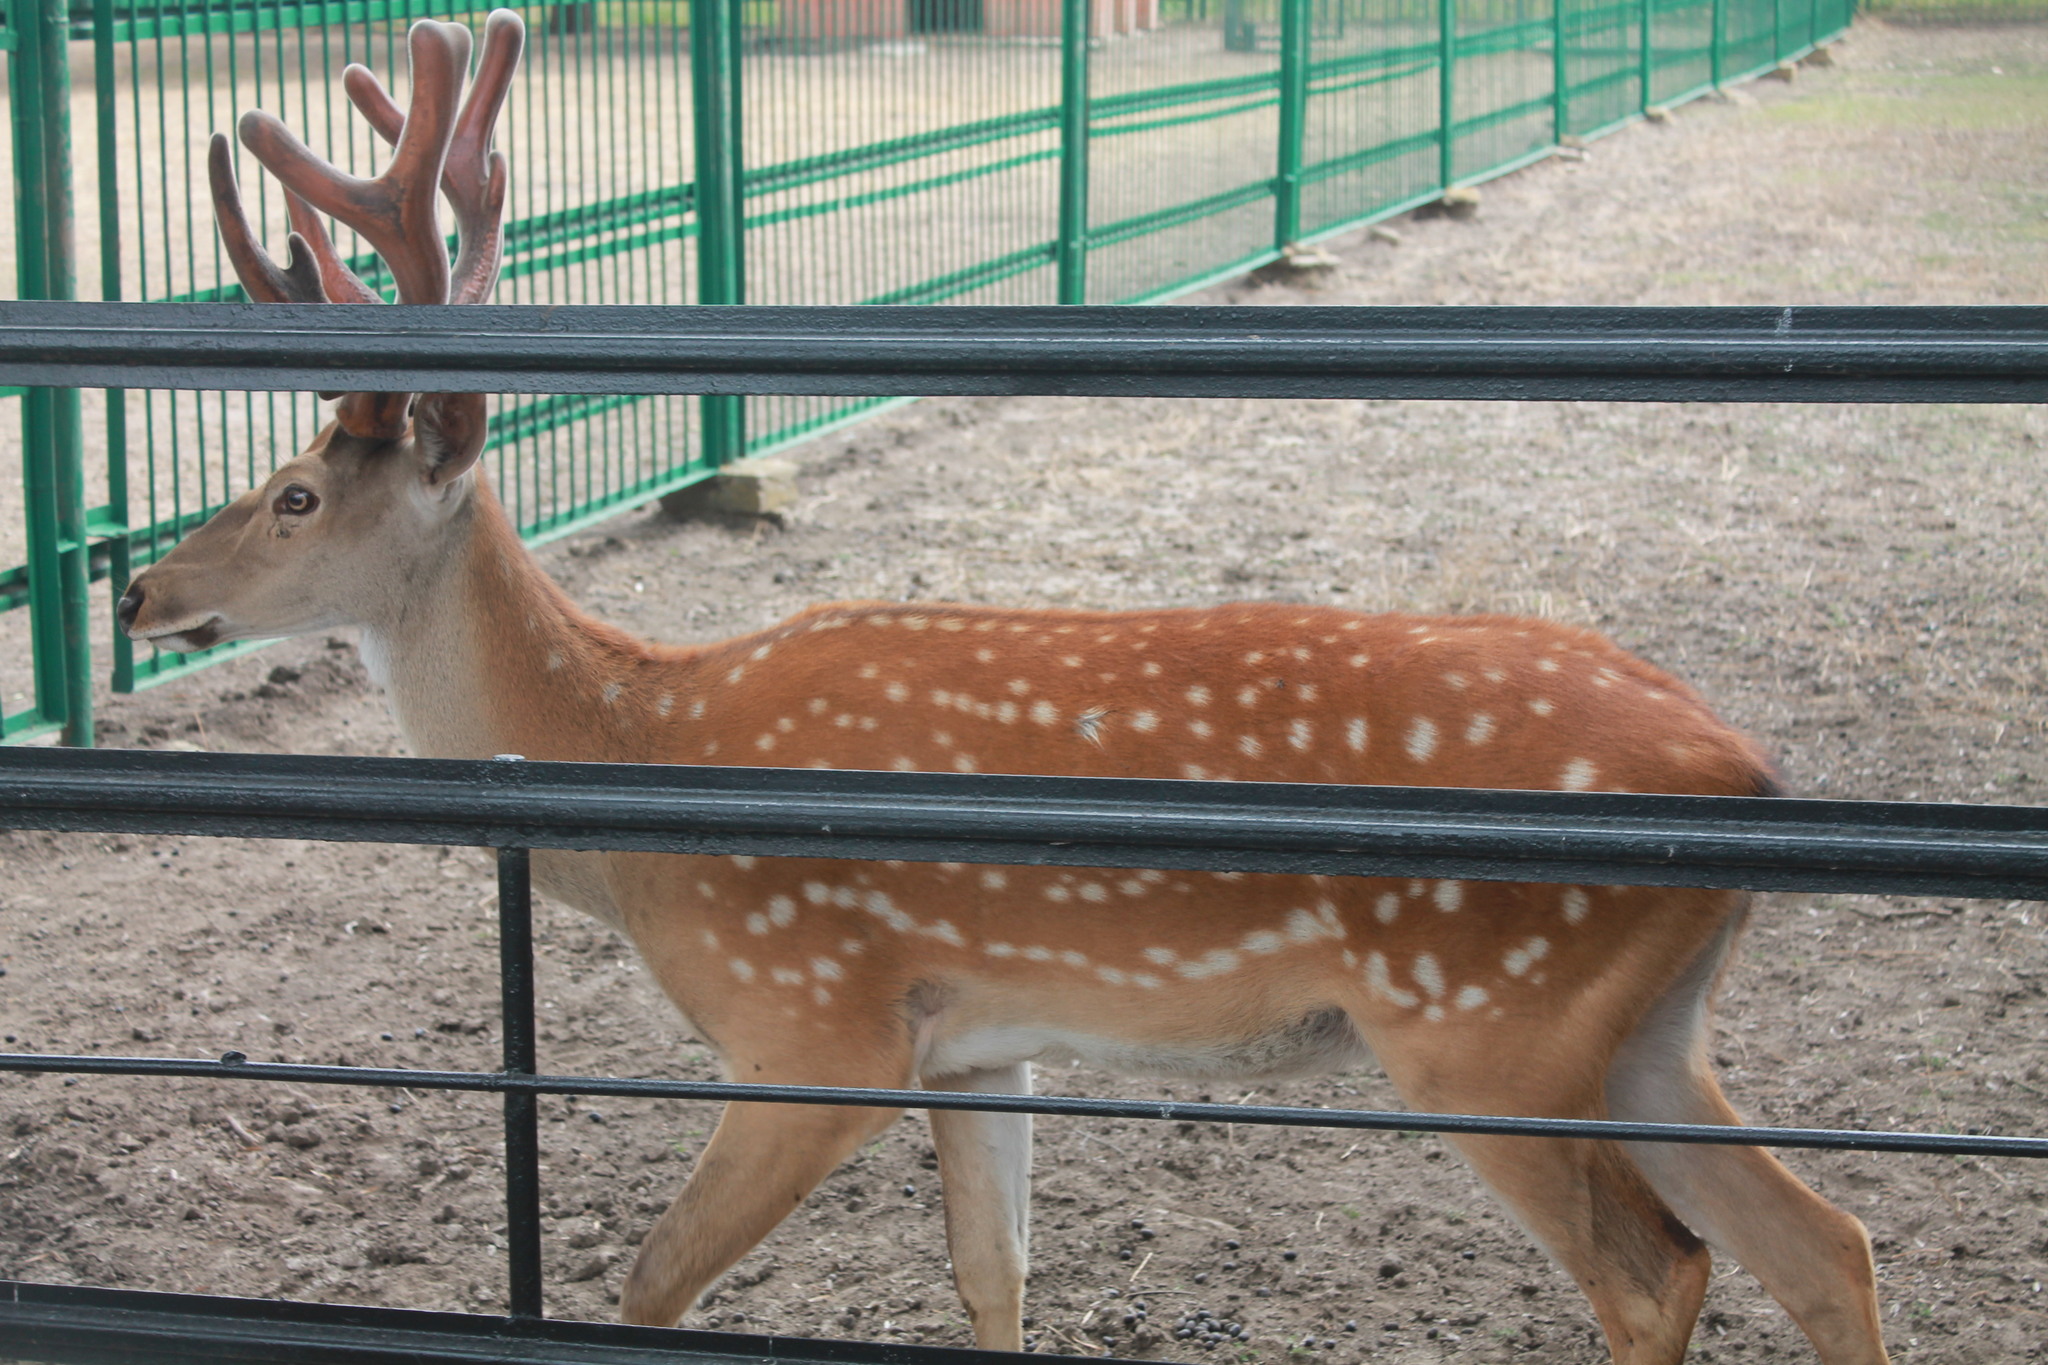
{"points": [[1318, 1043]]}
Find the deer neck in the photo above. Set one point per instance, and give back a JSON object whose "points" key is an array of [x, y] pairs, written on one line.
{"points": [[481, 653]]}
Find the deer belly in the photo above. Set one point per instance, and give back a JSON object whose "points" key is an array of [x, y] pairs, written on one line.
{"points": [[1318, 1042], [579, 881]]}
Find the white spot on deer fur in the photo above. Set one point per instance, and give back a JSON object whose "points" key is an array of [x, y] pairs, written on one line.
{"points": [[1457, 680], [1145, 722], [1199, 729], [1089, 723], [1058, 892], [1094, 891], [711, 748], [1300, 733], [1019, 685], [942, 738], [1131, 886], [1542, 706], [611, 692], [1449, 896], [1151, 670], [1038, 954], [964, 763], [1360, 660], [1577, 775], [1306, 927], [826, 969], [1494, 675], [1249, 746], [817, 893], [984, 656], [554, 661], [741, 968], [781, 911], [994, 880], [696, 709], [1262, 941], [1520, 959], [762, 652], [1165, 957], [1479, 729], [757, 923], [869, 670], [1073, 959], [1198, 695], [1006, 712], [743, 861], [879, 905], [1111, 976], [1381, 983], [1001, 949], [915, 622], [1354, 734], [1387, 908], [736, 674], [904, 765], [1044, 712], [786, 976], [785, 724], [1421, 742], [868, 722], [1193, 772], [1547, 665], [821, 996], [951, 623], [1428, 975], [1246, 696], [1433, 1013], [1209, 964], [1146, 980], [765, 742], [710, 939], [944, 932], [896, 691], [941, 697], [1575, 905], [1071, 660]]}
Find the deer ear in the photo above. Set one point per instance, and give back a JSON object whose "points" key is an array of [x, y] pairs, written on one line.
{"points": [[448, 433]]}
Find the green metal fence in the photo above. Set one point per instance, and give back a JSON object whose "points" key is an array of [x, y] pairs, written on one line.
{"points": [[746, 151]]}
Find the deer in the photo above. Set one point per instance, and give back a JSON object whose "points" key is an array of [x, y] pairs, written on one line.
{"points": [[1473, 997]]}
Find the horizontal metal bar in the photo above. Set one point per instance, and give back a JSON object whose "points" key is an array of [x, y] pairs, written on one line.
{"points": [[1583, 837], [236, 1067], [74, 1325], [1821, 354]]}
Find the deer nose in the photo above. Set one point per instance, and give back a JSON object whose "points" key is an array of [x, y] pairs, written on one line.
{"points": [[129, 605]]}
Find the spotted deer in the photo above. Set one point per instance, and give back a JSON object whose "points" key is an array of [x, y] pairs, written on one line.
{"points": [[1571, 1001]]}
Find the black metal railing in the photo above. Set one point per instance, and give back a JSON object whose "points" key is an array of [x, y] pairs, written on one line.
{"points": [[1729, 354]]}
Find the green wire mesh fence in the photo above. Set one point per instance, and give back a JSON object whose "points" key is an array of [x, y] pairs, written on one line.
{"points": [[745, 151]]}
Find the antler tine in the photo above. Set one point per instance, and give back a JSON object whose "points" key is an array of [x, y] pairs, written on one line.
{"points": [[300, 280], [396, 211], [473, 177], [342, 284]]}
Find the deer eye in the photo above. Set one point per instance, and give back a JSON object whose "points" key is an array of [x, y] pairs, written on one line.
{"points": [[296, 501]]}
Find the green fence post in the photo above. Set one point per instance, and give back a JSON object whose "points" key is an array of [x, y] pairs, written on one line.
{"points": [[107, 129], [1560, 74], [1071, 258], [1645, 56], [1720, 23], [1446, 67], [714, 95], [1294, 55], [53, 471]]}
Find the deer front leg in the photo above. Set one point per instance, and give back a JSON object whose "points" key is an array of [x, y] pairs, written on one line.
{"points": [[760, 1164], [985, 1170]]}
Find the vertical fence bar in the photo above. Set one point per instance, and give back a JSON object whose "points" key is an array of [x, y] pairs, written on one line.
{"points": [[1720, 23], [1072, 249], [522, 1123], [1294, 55], [67, 420], [1645, 56], [1560, 73], [1446, 92], [714, 94], [107, 130]]}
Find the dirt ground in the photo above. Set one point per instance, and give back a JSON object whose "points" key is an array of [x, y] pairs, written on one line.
{"points": [[1859, 587]]}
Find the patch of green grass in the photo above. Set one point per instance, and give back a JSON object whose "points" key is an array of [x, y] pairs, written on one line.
{"points": [[2015, 101]]}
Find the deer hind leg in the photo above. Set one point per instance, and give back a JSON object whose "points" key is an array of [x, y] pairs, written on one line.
{"points": [[1811, 1256], [759, 1165], [1585, 1202], [985, 1168]]}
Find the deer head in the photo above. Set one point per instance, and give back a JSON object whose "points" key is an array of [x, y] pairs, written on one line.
{"points": [[334, 534]]}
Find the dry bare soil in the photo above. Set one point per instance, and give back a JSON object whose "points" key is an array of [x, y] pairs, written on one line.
{"points": [[1860, 587]]}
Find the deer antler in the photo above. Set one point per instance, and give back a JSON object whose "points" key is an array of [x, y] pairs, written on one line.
{"points": [[436, 146], [474, 178]]}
